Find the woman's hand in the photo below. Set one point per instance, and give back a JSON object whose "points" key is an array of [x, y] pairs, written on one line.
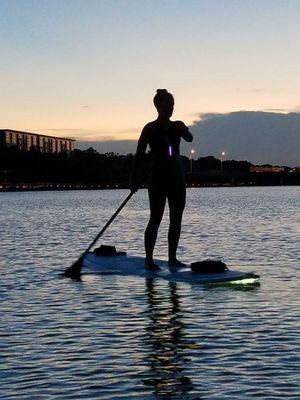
{"points": [[134, 187], [183, 131]]}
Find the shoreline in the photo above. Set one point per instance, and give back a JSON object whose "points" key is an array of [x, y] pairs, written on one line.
{"points": [[33, 187]]}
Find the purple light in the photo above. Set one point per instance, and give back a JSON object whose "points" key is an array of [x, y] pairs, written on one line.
{"points": [[170, 151]]}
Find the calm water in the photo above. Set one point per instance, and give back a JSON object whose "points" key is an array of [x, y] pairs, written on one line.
{"points": [[113, 338]]}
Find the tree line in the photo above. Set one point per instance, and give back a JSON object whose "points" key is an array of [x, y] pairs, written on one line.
{"points": [[90, 167]]}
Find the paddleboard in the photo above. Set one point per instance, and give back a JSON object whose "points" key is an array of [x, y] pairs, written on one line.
{"points": [[127, 265]]}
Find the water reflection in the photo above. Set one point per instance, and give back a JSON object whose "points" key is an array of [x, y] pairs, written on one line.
{"points": [[166, 340], [239, 287], [105, 338]]}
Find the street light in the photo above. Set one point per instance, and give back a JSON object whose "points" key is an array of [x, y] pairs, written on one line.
{"points": [[191, 160], [222, 155]]}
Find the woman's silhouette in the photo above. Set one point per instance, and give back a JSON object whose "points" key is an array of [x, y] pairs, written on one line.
{"points": [[166, 178]]}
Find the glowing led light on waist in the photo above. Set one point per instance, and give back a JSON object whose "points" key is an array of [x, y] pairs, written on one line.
{"points": [[170, 151]]}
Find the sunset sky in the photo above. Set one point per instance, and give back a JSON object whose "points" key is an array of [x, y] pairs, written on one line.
{"points": [[89, 69]]}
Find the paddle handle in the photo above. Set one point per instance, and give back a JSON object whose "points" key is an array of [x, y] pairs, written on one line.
{"points": [[110, 221]]}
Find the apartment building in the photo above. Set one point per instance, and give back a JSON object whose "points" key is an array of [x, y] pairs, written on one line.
{"points": [[44, 143]]}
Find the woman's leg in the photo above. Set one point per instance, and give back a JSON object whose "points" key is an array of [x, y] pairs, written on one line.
{"points": [[176, 205], [157, 199]]}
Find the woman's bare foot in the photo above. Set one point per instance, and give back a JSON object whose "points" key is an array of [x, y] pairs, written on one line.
{"points": [[150, 265], [174, 265]]}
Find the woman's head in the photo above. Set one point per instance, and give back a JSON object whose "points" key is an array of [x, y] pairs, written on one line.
{"points": [[164, 102]]}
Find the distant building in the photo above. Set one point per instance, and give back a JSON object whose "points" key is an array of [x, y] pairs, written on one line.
{"points": [[266, 168], [27, 141]]}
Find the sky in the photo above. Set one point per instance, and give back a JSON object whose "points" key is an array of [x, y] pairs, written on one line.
{"points": [[89, 69]]}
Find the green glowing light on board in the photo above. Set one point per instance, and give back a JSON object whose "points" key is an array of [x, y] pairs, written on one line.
{"points": [[245, 281]]}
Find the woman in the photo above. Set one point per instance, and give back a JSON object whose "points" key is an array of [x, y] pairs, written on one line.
{"points": [[166, 179]]}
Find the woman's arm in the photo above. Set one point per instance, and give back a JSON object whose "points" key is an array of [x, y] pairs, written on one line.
{"points": [[184, 131], [137, 168]]}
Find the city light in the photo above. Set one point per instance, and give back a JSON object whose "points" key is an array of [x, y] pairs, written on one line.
{"points": [[191, 160], [222, 155]]}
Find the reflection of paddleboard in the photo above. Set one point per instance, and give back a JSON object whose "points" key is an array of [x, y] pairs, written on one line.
{"points": [[135, 266]]}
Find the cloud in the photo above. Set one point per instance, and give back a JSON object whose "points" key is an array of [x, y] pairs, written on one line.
{"points": [[79, 134], [209, 115], [256, 136], [82, 134], [279, 110], [203, 116]]}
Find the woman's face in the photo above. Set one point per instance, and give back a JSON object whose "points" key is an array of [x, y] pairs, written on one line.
{"points": [[166, 108]]}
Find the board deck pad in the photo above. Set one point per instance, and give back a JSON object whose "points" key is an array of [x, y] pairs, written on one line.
{"points": [[126, 265]]}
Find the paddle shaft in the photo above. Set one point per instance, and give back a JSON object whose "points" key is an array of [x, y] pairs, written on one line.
{"points": [[110, 221]]}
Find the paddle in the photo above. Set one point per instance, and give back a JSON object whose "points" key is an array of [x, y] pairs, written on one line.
{"points": [[74, 271]]}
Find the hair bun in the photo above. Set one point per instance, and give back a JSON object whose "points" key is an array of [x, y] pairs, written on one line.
{"points": [[161, 91], [161, 96]]}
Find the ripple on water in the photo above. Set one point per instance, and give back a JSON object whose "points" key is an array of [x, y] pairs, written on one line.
{"points": [[113, 338]]}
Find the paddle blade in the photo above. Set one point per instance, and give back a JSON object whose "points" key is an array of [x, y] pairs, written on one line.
{"points": [[74, 271]]}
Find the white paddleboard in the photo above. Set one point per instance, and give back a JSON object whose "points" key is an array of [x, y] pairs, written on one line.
{"points": [[126, 265]]}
